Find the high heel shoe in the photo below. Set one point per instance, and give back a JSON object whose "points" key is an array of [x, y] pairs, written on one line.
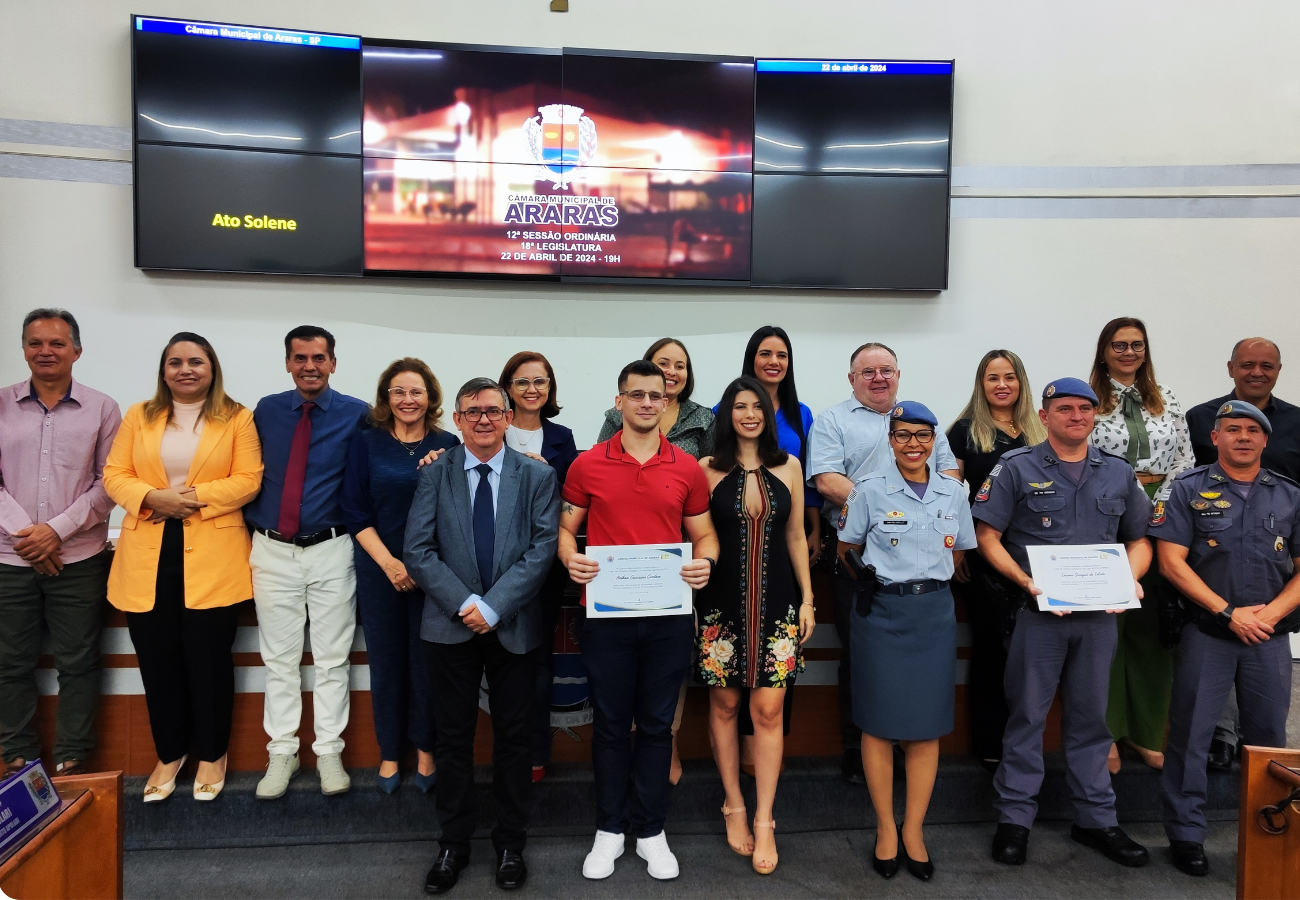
{"points": [[157, 793], [921, 870], [208, 790], [885, 868], [761, 869], [731, 811], [389, 783], [425, 782]]}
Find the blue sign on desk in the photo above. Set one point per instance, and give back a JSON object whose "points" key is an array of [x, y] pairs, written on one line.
{"points": [[27, 800]]}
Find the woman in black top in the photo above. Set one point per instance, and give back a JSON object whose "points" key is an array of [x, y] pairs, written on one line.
{"points": [[999, 417]]}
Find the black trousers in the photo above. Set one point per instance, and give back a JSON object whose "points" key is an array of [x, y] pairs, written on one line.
{"points": [[185, 662], [986, 697], [845, 595], [455, 673]]}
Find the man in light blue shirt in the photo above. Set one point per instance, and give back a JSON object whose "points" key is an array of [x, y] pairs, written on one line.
{"points": [[848, 442]]}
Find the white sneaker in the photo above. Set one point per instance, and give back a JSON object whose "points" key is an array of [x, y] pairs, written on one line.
{"points": [[334, 779], [279, 770], [600, 861], [660, 862]]}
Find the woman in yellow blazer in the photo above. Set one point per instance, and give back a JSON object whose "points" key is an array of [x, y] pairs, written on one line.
{"points": [[182, 466]]}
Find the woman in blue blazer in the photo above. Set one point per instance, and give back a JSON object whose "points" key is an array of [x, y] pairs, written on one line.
{"points": [[530, 381]]}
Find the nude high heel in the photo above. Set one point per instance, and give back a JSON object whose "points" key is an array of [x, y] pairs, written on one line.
{"points": [[205, 791], [758, 867], [157, 793], [731, 811]]}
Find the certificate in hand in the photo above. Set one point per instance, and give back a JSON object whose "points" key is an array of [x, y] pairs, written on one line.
{"points": [[639, 580], [1082, 577]]}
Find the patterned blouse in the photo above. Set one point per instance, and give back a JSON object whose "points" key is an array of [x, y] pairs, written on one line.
{"points": [[1170, 444], [692, 432]]}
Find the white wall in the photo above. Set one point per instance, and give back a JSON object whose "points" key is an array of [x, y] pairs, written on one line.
{"points": [[1091, 92]]}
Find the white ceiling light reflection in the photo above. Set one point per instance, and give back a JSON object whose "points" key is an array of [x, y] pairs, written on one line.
{"points": [[373, 132], [269, 137]]}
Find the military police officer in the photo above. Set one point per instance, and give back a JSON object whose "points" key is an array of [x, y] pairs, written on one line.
{"points": [[910, 520], [1062, 491], [1228, 539]]}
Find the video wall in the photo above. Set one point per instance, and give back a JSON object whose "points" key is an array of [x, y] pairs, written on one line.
{"points": [[271, 151]]}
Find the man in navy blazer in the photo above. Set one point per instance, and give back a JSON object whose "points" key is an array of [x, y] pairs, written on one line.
{"points": [[480, 541]]}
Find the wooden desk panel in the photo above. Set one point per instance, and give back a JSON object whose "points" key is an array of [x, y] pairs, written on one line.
{"points": [[1268, 866]]}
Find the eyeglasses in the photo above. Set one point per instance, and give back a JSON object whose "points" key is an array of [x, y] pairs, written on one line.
{"points": [[524, 384], [473, 414], [1125, 346], [885, 372], [640, 396], [402, 393], [924, 436]]}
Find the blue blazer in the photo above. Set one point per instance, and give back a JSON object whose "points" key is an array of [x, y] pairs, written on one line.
{"points": [[558, 448]]}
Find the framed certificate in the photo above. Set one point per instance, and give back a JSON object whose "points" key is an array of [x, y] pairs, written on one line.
{"points": [[639, 580], [1082, 577]]}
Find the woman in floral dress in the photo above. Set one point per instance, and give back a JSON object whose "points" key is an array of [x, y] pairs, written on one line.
{"points": [[757, 609]]}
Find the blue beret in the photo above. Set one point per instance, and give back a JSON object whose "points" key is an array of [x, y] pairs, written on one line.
{"points": [[1240, 409], [1069, 387], [914, 413]]}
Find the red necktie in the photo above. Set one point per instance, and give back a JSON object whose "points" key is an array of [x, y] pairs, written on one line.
{"points": [[295, 473]]}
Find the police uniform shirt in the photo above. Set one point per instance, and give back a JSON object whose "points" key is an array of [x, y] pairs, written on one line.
{"points": [[1281, 456], [1029, 498], [1242, 549], [852, 440], [908, 538]]}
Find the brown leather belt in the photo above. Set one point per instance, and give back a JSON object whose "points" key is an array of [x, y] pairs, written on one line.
{"points": [[1147, 478]]}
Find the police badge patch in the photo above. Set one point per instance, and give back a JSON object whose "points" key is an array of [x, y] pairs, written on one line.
{"points": [[844, 517], [1047, 521], [1279, 544], [950, 541], [1158, 513], [984, 490]]}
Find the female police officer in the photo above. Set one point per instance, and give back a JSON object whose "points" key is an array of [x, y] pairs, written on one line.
{"points": [[912, 520]]}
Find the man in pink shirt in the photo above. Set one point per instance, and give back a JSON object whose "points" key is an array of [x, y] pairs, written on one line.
{"points": [[55, 435]]}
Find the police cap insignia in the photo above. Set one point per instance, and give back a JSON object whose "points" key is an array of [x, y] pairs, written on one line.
{"points": [[898, 411], [1225, 409], [1051, 391]]}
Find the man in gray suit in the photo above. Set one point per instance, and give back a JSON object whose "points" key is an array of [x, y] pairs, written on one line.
{"points": [[480, 541]]}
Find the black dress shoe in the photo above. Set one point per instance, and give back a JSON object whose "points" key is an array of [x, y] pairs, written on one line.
{"points": [[1114, 843], [1011, 844], [1220, 755], [511, 871], [851, 767], [442, 877], [885, 868], [921, 870], [1189, 857]]}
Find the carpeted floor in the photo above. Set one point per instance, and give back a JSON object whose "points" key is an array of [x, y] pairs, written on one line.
{"points": [[817, 864]]}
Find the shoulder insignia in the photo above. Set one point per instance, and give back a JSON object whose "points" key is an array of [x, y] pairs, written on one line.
{"points": [[1158, 513], [1012, 454], [1107, 453], [993, 473], [1211, 495], [1186, 472], [984, 490], [853, 493], [1041, 484], [843, 519], [1279, 478]]}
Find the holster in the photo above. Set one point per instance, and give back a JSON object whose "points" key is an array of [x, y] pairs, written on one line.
{"points": [[1171, 613], [1008, 598], [863, 574]]}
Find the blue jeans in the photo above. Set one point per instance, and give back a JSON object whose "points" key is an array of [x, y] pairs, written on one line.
{"points": [[399, 684], [635, 668]]}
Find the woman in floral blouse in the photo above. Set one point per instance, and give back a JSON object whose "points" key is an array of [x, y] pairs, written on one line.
{"points": [[1142, 421], [757, 609]]}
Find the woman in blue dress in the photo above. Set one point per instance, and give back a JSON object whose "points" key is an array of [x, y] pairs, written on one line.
{"points": [[912, 523], [378, 485]]}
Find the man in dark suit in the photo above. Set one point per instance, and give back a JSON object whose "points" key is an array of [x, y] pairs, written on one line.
{"points": [[480, 541]]}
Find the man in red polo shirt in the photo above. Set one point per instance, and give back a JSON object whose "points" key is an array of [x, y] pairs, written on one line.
{"points": [[635, 488]]}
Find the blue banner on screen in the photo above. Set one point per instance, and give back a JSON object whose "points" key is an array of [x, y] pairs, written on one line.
{"points": [[248, 33], [855, 66], [27, 800]]}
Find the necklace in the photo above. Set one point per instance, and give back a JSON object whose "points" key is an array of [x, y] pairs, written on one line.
{"points": [[1010, 425], [411, 446]]}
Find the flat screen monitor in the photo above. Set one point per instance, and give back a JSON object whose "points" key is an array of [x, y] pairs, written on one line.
{"points": [[237, 210], [835, 231], [858, 117], [244, 86]]}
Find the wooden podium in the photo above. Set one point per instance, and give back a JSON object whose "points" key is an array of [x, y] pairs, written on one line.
{"points": [[1268, 838], [78, 854]]}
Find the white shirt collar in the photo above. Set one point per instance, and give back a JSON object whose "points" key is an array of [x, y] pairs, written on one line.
{"points": [[472, 461]]}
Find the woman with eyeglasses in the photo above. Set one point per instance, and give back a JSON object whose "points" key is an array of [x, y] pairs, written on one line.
{"points": [[1140, 420], [686, 424], [378, 486], [1000, 416], [530, 381], [912, 523]]}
